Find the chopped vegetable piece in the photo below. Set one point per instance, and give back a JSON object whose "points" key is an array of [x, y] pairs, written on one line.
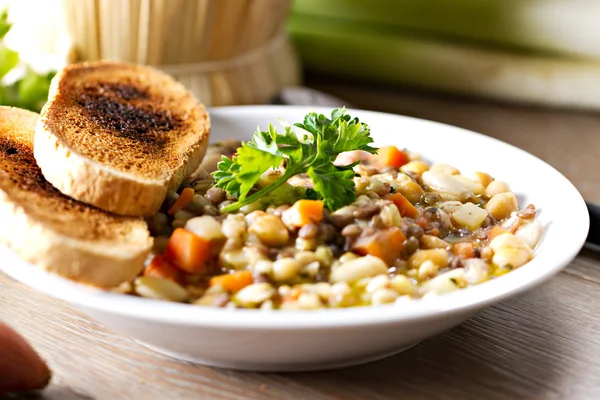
{"points": [[161, 268], [387, 245], [390, 156], [187, 251], [470, 216], [438, 256], [304, 212], [186, 196], [404, 206], [233, 282], [495, 231], [463, 249], [510, 251]]}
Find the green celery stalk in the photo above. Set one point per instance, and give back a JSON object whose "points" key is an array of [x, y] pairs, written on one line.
{"points": [[8, 60], [555, 26], [340, 48]]}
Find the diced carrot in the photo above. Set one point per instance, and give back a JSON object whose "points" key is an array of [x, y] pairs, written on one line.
{"points": [[463, 249], [495, 231], [404, 206], [233, 282], [304, 212], [387, 245], [292, 295], [391, 156], [161, 268], [187, 251], [186, 196]]}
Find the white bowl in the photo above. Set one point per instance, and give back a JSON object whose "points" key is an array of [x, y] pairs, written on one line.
{"points": [[309, 340]]}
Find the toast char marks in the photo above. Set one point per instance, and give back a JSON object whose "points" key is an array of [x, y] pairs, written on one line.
{"points": [[22, 181], [128, 112], [121, 122]]}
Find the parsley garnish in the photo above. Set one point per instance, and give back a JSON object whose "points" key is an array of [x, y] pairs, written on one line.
{"points": [[311, 151]]}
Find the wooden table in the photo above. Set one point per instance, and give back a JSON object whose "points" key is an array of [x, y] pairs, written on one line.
{"points": [[541, 345]]}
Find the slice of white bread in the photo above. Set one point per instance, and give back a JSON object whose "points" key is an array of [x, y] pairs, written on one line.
{"points": [[61, 235], [119, 136]]}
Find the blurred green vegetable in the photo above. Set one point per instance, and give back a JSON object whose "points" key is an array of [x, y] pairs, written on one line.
{"points": [[30, 91], [562, 27], [378, 53], [4, 25]]}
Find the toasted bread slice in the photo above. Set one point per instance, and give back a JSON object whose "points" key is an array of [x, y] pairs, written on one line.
{"points": [[59, 234], [119, 136]]}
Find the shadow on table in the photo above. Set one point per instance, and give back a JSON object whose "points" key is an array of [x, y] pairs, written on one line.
{"points": [[51, 393], [497, 355]]}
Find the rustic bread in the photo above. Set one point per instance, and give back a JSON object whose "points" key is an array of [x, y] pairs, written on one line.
{"points": [[119, 136], [59, 234]]}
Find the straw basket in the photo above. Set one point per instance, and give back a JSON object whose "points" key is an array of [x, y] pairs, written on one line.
{"points": [[226, 51]]}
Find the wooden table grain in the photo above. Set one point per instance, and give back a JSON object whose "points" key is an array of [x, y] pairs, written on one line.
{"points": [[544, 344]]}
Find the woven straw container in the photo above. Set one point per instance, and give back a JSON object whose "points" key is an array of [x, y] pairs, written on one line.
{"points": [[228, 52]]}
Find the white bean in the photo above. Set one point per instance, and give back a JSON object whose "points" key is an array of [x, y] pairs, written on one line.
{"points": [[378, 282], [234, 227], [323, 289], [496, 187], [476, 270], [449, 206], [482, 177], [353, 270], [510, 250], [264, 267], [476, 187], [417, 167], [428, 269], [437, 256], [309, 301], [206, 227], [433, 242], [402, 285], [446, 184], [286, 269], [159, 289], [383, 296], [390, 216], [375, 185], [312, 269], [530, 232], [254, 294], [502, 205], [444, 169], [445, 283], [411, 190], [341, 294], [270, 230]]}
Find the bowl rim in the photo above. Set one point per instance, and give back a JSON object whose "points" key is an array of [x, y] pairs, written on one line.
{"points": [[471, 299]]}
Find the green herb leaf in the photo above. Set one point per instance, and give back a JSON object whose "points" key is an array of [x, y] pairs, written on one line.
{"points": [[253, 162], [312, 150], [225, 176], [4, 24], [334, 186], [8, 60], [33, 90]]}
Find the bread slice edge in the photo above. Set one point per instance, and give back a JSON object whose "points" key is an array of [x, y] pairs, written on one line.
{"points": [[93, 183], [99, 264]]}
